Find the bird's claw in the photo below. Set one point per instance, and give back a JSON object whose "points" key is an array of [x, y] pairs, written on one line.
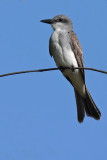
{"points": [[72, 68], [61, 69]]}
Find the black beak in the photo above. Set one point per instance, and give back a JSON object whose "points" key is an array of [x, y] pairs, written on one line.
{"points": [[49, 21]]}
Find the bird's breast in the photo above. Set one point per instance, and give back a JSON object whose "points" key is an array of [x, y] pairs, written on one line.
{"points": [[64, 57], [62, 51]]}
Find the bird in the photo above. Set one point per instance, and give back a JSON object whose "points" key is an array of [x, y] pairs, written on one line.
{"points": [[66, 50]]}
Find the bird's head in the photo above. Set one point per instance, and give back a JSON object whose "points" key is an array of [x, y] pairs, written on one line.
{"points": [[59, 22]]}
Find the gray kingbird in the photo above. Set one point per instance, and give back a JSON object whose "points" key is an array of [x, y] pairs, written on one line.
{"points": [[66, 50]]}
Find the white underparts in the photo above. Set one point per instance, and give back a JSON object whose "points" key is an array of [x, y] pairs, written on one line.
{"points": [[64, 57]]}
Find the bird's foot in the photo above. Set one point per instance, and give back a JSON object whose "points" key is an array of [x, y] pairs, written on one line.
{"points": [[72, 68], [61, 68]]}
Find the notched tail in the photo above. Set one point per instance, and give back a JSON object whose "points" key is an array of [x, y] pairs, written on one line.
{"points": [[86, 105], [91, 108], [80, 107]]}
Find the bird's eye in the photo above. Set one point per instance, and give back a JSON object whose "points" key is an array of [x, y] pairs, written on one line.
{"points": [[60, 19]]}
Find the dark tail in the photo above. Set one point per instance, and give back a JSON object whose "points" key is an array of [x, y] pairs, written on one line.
{"points": [[86, 104]]}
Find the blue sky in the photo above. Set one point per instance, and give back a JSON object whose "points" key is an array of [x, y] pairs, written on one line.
{"points": [[38, 117]]}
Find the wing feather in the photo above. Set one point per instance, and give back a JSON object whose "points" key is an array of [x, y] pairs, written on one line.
{"points": [[76, 48]]}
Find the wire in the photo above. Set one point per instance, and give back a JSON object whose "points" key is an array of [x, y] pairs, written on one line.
{"points": [[51, 69]]}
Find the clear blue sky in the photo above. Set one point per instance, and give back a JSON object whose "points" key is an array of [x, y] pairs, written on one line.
{"points": [[38, 117]]}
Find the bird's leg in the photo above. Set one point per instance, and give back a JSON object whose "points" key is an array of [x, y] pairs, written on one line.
{"points": [[72, 68], [61, 68]]}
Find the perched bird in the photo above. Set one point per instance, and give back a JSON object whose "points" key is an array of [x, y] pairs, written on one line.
{"points": [[66, 50]]}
